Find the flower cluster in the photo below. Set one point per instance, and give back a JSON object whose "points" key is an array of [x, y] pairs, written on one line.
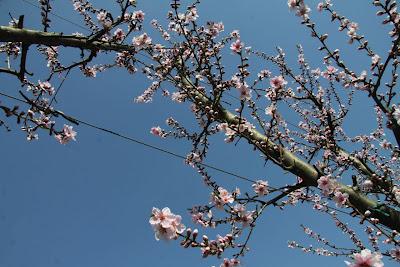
{"points": [[261, 187], [302, 10], [157, 131], [66, 135], [232, 130], [166, 225], [330, 186], [366, 258], [221, 197]]}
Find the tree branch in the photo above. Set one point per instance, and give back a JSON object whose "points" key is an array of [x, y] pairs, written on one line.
{"points": [[282, 157]]}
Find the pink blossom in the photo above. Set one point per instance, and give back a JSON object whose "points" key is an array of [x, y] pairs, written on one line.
{"points": [[375, 59], [103, 19], [326, 184], [340, 198], [303, 10], [277, 82], [235, 34], [138, 15], [229, 133], [166, 225], [90, 71], [367, 185], [292, 4], [261, 187], [230, 263], [237, 46], [215, 28], [329, 72], [221, 197], [46, 87], [141, 41], [102, 16], [192, 14], [263, 74], [178, 97], [77, 5], [244, 91], [157, 131], [366, 259], [244, 217], [119, 34], [66, 135], [353, 27]]}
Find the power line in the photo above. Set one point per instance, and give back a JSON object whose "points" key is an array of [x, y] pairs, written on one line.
{"points": [[56, 15], [132, 139], [118, 134]]}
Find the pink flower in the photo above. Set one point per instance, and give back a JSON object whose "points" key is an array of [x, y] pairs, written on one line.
{"points": [[46, 87], [235, 34], [247, 218], [340, 198], [141, 41], [90, 71], [292, 4], [163, 217], [66, 135], [215, 28], [225, 196], [353, 27], [222, 197], [330, 71], [244, 91], [237, 46], [77, 5], [102, 16], [157, 131], [261, 187], [229, 133], [375, 59], [277, 82], [192, 14], [325, 184], [119, 34], [166, 225], [263, 74], [230, 263], [366, 259], [303, 10], [138, 15]]}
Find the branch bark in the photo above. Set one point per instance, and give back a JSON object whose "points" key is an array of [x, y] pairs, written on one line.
{"points": [[387, 216], [10, 34]]}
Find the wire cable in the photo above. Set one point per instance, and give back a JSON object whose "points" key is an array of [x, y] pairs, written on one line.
{"points": [[116, 133], [56, 15], [137, 141]]}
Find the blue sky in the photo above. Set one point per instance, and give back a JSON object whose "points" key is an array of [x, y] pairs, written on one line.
{"points": [[87, 204]]}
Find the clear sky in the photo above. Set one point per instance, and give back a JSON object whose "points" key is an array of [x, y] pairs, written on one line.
{"points": [[87, 204]]}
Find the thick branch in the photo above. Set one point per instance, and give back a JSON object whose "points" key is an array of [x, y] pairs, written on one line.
{"points": [[290, 162], [10, 34]]}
